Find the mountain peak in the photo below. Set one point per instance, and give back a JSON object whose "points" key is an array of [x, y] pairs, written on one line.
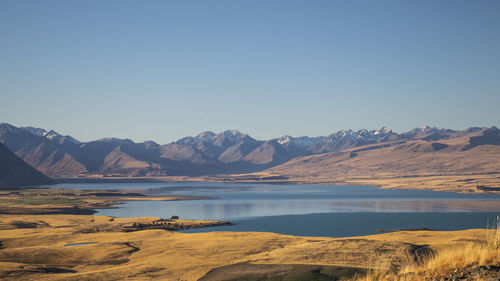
{"points": [[234, 133], [286, 139], [35, 131], [42, 133], [302, 142], [52, 135], [210, 152], [9, 127], [385, 130], [206, 134], [112, 139]]}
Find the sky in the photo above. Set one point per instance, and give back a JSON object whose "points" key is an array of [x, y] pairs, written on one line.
{"points": [[162, 70]]}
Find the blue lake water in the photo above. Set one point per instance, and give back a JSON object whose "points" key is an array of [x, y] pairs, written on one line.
{"points": [[79, 244], [308, 210]]}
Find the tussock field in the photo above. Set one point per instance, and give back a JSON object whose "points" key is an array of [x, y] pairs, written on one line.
{"points": [[478, 260], [33, 248]]}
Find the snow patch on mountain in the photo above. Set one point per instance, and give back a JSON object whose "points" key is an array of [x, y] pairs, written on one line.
{"points": [[51, 135]]}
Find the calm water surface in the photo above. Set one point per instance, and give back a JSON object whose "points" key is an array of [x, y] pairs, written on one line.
{"points": [[79, 244], [310, 210]]}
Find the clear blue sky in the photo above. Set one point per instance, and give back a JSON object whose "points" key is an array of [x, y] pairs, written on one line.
{"points": [[162, 70]]}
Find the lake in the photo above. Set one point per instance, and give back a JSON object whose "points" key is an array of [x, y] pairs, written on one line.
{"points": [[307, 210]]}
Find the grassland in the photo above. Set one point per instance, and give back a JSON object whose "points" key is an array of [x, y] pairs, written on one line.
{"points": [[470, 261], [70, 201], [33, 246], [39, 252]]}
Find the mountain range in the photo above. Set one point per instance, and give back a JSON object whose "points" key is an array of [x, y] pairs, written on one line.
{"points": [[228, 152], [463, 153], [14, 172], [467, 161]]}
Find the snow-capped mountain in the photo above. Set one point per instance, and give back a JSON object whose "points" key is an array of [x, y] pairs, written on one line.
{"points": [[348, 138], [229, 151], [51, 135], [300, 141]]}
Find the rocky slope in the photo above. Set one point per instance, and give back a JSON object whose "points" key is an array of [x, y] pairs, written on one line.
{"points": [[462, 154], [208, 153], [14, 172]]}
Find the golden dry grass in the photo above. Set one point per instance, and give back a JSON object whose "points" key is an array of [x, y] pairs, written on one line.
{"points": [[166, 255], [447, 260]]}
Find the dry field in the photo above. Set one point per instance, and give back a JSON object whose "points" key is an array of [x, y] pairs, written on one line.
{"points": [[33, 248], [470, 261]]}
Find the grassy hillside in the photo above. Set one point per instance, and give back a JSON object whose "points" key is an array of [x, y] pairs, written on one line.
{"points": [[38, 252], [473, 261]]}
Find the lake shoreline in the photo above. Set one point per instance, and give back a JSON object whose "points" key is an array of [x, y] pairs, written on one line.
{"points": [[459, 183], [35, 247], [149, 254], [323, 209], [46, 201]]}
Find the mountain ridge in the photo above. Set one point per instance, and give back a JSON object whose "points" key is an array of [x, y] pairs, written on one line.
{"points": [[462, 162], [14, 172], [208, 153]]}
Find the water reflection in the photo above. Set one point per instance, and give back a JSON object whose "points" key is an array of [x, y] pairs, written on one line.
{"points": [[222, 209], [321, 209], [243, 200]]}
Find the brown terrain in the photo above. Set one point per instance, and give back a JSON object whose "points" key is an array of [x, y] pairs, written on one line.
{"points": [[71, 201], [14, 172], [463, 164], [429, 158], [34, 248], [39, 226], [42, 239]]}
